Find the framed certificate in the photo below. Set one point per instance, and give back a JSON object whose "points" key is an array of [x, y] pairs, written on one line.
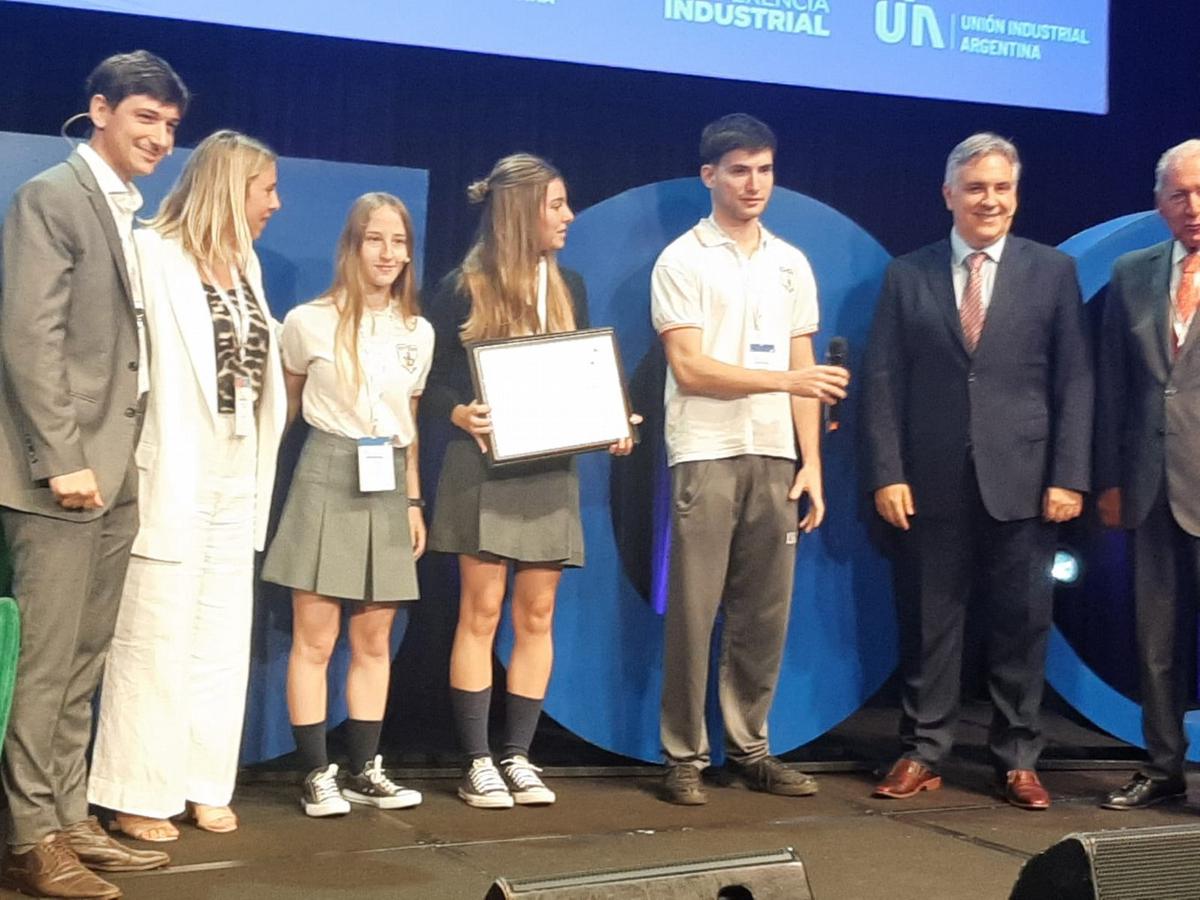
{"points": [[551, 394]]}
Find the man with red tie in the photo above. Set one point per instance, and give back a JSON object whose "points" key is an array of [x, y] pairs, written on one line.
{"points": [[1148, 463], [977, 418]]}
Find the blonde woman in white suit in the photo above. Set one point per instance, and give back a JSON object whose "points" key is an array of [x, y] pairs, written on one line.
{"points": [[175, 681]]}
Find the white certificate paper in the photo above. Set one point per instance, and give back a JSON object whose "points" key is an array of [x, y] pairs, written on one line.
{"points": [[552, 394]]}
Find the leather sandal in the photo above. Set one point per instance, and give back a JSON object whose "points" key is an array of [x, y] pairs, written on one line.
{"points": [[217, 819], [144, 828]]}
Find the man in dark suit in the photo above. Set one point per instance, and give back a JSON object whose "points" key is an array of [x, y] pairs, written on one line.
{"points": [[72, 372], [1148, 463], [977, 424]]}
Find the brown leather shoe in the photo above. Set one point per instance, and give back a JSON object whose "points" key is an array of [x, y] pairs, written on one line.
{"points": [[97, 850], [907, 778], [1023, 789], [51, 869]]}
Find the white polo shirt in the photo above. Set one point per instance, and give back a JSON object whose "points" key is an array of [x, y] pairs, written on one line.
{"points": [[395, 356], [748, 308]]}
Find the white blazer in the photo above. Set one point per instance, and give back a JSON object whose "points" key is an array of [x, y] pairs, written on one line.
{"points": [[181, 411]]}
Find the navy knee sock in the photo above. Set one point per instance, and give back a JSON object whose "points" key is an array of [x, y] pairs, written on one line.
{"points": [[522, 718], [310, 744], [362, 741], [470, 709]]}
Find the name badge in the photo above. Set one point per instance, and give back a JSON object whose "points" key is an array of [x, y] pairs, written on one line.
{"points": [[243, 407], [376, 464], [766, 355]]}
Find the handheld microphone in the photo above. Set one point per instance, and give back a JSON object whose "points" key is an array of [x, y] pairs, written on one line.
{"points": [[837, 354]]}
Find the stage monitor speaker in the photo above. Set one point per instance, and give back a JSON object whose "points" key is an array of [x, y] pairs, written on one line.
{"points": [[777, 875], [1161, 863]]}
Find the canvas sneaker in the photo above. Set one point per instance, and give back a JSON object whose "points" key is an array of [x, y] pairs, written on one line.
{"points": [[322, 797], [482, 786], [523, 782], [373, 788]]}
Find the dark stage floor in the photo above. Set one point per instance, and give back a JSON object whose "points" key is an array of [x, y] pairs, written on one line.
{"points": [[960, 842]]}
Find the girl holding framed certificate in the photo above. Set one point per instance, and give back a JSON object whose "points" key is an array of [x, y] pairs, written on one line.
{"points": [[352, 529], [524, 518]]}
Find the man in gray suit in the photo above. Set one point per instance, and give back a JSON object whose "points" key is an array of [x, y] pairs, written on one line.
{"points": [[72, 372], [1148, 463]]}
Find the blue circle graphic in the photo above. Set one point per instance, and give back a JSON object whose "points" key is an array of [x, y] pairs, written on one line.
{"points": [[1095, 250], [608, 637]]}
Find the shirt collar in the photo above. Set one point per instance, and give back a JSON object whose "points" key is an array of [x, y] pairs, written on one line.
{"points": [[710, 234], [1178, 252], [960, 249], [125, 193]]}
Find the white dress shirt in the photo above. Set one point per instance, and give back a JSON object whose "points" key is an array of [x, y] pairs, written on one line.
{"points": [[124, 200], [960, 271], [1178, 254]]}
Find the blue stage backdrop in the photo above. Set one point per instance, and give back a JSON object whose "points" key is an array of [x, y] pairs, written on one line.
{"points": [[297, 256]]}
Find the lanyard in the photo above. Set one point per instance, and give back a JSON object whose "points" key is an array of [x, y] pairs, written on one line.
{"points": [[543, 285], [237, 309], [239, 312], [137, 288], [382, 336]]}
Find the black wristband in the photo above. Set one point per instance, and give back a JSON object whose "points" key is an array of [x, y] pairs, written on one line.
{"points": [[417, 502]]}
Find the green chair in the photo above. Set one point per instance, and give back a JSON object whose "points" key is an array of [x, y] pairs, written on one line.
{"points": [[10, 648], [10, 639]]}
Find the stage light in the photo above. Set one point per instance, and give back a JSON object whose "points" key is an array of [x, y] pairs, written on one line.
{"points": [[1066, 568]]}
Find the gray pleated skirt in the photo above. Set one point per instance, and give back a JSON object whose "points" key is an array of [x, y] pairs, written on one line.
{"points": [[526, 513], [336, 540]]}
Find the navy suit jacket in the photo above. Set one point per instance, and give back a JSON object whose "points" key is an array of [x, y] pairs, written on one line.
{"points": [[1020, 406], [1148, 400]]}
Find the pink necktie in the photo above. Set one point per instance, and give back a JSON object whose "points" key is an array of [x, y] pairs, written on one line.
{"points": [[971, 311]]}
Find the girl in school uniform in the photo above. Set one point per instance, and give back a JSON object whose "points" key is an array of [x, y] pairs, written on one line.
{"points": [[352, 528], [524, 520]]}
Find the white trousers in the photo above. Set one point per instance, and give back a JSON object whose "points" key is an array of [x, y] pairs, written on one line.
{"points": [[174, 691]]}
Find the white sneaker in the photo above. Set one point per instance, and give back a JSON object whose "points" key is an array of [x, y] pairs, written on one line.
{"points": [[523, 782], [322, 796], [482, 786], [374, 788]]}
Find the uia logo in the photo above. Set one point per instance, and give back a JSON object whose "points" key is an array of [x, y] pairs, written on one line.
{"points": [[916, 22]]}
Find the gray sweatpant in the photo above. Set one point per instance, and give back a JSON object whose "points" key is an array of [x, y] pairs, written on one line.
{"points": [[733, 546]]}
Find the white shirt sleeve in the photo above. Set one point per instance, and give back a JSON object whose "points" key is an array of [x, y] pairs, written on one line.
{"points": [[293, 345], [425, 341], [806, 314], [674, 299]]}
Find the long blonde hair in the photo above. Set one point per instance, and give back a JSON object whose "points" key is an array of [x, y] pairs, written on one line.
{"points": [[500, 268], [348, 290], [206, 207]]}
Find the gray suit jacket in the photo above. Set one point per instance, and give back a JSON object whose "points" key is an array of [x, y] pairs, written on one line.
{"points": [[68, 342], [1148, 400]]}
